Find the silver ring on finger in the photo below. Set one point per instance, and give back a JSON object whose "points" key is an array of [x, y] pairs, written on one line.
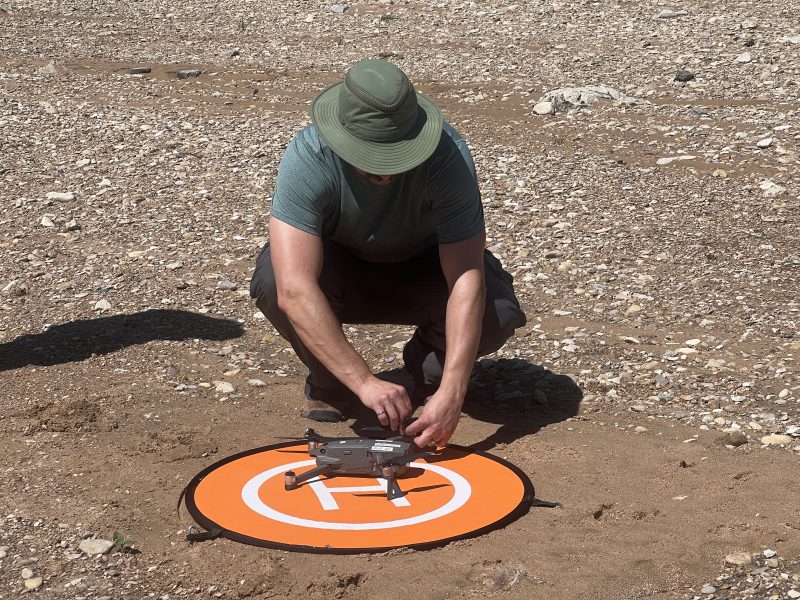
{"points": [[380, 412]]}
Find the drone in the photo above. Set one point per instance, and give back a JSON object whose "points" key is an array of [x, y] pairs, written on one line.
{"points": [[360, 456]]}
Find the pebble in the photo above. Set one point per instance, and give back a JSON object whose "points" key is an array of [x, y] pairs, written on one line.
{"points": [[33, 583], [26, 573], [793, 594], [226, 285], [339, 8], [47, 222], [776, 439], [684, 76], [544, 108], [739, 559], [744, 57], [771, 189], [735, 438], [102, 305], [3, 553], [772, 563], [640, 429], [668, 13], [708, 589], [765, 143], [793, 39], [60, 196], [256, 382], [72, 225], [224, 387], [671, 159], [140, 70], [187, 73], [96, 546]]}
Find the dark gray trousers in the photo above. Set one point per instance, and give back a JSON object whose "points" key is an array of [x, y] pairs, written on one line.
{"points": [[413, 292]]}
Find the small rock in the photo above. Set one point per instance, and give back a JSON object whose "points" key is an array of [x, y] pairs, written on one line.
{"points": [[772, 563], [544, 108], [720, 173], [708, 589], [793, 594], [765, 143], [768, 553], [771, 189], [776, 439], [684, 76], [794, 39], [60, 196], [187, 73], [72, 225], [638, 408], [339, 8], [749, 24], [744, 57], [670, 159], [174, 266], [102, 305], [96, 546], [256, 382], [105, 183], [735, 438], [33, 583], [640, 429], [26, 573], [47, 222], [633, 310], [224, 387], [226, 285], [739, 559], [140, 70], [668, 13]]}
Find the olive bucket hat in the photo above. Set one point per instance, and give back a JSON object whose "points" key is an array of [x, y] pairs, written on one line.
{"points": [[376, 121]]}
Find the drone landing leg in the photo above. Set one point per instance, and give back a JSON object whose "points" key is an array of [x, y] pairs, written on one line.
{"points": [[393, 490], [291, 481]]}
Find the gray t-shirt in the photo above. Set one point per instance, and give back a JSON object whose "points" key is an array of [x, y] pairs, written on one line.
{"points": [[437, 202]]}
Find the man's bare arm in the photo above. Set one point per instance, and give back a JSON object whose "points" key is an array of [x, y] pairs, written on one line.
{"points": [[297, 259], [462, 264]]}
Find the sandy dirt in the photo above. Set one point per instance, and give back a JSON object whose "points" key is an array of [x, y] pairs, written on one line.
{"points": [[654, 391]]}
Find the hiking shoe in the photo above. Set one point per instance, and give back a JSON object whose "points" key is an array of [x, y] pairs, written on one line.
{"points": [[323, 412]]}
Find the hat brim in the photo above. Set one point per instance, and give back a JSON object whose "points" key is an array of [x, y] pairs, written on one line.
{"points": [[390, 158]]}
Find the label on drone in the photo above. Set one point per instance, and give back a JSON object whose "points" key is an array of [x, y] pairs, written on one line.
{"points": [[455, 494]]}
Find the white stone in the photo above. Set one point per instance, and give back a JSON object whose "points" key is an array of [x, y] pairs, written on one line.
{"points": [[776, 439], [95, 546], [256, 382], [744, 57], [102, 305], [670, 159], [739, 558], [33, 583], [60, 196], [765, 143], [544, 108], [26, 573], [224, 387], [47, 222]]}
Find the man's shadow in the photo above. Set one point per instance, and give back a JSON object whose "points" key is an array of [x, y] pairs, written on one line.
{"points": [[78, 340], [519, 396]]}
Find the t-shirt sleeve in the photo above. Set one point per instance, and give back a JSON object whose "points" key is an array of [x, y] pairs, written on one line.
{"points": [[455, 196], [304, 186]]}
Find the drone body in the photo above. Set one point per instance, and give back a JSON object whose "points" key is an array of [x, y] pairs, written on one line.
{"points": [[357, 456]]}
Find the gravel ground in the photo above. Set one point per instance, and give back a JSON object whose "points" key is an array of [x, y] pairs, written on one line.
{"points": [[654, 245]]}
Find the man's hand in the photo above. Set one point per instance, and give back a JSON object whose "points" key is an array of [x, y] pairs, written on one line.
{"points": [[438, 420], [389, 401]]}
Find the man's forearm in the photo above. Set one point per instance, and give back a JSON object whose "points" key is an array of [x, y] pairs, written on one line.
{"points": [[313, 320], [464, 320]]}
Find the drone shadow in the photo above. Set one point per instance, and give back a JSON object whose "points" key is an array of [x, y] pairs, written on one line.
{"points": [[519, 396], [78, 340]]}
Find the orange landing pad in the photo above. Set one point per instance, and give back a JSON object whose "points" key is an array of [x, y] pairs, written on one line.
{"points": [[456, 494]]}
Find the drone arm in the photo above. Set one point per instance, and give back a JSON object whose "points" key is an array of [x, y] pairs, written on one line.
{"points": [[321, 470]]}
